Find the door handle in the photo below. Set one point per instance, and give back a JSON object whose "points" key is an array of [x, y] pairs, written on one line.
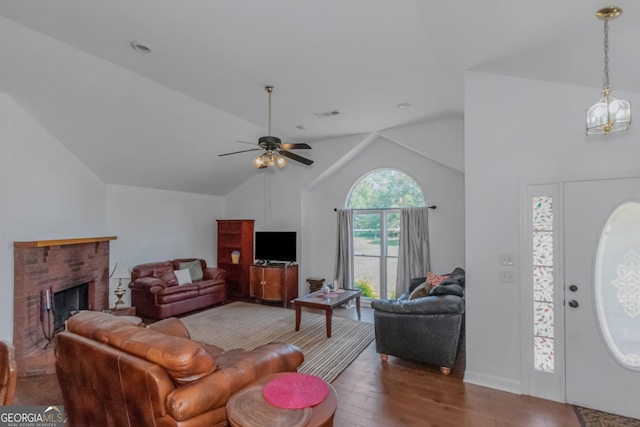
{"points": [[573, 304], [573, 288]]}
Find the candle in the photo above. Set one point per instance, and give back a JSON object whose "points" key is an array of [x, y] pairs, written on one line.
{"points": [[41, 305], [48, 300]]}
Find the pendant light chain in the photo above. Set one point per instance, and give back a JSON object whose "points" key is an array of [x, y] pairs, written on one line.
{"points": [[605, 84]]}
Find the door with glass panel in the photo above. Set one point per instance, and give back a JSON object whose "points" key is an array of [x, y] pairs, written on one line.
{"points": [[375, 255], [602, 294]]}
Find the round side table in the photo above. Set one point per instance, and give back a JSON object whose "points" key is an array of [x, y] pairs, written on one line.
{"points": [[248, 408]]}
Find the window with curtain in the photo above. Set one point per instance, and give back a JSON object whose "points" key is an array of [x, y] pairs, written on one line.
{"points": [[376, 200]]}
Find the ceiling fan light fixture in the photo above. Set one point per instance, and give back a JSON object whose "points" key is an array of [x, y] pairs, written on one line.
{"points": [[275, 153], [259, 162], [609, 114]]}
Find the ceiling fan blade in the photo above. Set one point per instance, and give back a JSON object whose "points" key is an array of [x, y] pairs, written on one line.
{"points": [[245, 142], [295, 157], [296, 146], [241, 151]]}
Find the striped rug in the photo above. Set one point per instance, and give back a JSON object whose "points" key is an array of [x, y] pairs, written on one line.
{"points": [[245, 325]]}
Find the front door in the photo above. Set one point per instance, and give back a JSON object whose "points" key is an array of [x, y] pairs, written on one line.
{"points": [[602, 294]]}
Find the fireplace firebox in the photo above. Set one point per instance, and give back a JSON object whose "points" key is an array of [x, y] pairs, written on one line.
{"points": [[68, 302]]}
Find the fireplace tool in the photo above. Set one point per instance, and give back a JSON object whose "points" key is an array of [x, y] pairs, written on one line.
{"points": [[47, 314]]}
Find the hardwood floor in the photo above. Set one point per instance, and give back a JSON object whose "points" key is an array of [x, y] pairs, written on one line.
{"points": [[403, 393], [396, 393]]}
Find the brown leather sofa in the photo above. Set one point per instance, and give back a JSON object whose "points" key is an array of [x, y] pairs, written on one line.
{"points": [[155, 292], [113, 373]]}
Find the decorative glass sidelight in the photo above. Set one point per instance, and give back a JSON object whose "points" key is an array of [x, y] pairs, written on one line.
{"points": [[617, 283], [542, 238]]}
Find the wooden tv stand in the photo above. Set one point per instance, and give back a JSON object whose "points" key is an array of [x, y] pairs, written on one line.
{"points": [[274, 283]]}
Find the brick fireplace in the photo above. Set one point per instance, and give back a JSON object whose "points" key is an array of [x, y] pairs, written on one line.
{"points": [[42, 269]]}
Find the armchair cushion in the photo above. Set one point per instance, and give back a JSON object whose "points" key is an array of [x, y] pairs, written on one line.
{"points": [[435, 279], [457, 276], [195, 269], [449, 289], [415, 282], [445, 304], [184, 276], [169, 278], [421, 291]]}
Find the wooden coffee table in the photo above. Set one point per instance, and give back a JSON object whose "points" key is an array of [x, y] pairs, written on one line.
{"points": [[318, 300]]}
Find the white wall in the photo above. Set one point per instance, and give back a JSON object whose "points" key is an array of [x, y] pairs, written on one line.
{"points": [[439, 140], [441, 186], [302, 199], [519, 130], [6, 247], [46, 193], [158, 225]]}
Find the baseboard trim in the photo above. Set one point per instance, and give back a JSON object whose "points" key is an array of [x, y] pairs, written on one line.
{"points": [[492, 381]]}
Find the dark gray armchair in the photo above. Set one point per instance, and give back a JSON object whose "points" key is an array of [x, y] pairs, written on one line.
{"points": [[425, 329]]}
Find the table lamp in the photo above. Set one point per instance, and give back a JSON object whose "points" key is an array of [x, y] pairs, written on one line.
{"points": [[120, 272]]}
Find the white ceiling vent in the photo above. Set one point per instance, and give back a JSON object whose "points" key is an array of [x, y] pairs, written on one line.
{"points": [[327, 114], [140, 47]]}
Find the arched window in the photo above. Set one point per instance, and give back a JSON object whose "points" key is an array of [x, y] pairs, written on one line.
{"points": [[376, 199]]}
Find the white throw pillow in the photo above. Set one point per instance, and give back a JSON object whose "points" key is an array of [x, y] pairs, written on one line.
{"points": [[183, 276]]}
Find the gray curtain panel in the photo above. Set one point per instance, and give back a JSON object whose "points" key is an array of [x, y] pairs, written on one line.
{"points": [[413, 249], [344, 249]]}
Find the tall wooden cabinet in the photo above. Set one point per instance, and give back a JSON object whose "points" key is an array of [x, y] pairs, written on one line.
{"points": [[274, 283], [236, 235]]}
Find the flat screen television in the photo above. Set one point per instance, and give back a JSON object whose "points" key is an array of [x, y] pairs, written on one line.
{"points": [[275, 246]]}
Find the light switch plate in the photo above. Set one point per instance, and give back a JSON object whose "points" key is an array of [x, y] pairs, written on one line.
{"points": [[507, 276], [506, 259]]}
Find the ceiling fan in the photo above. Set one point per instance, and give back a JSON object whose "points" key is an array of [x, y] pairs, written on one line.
{"points": [[274, 150]]}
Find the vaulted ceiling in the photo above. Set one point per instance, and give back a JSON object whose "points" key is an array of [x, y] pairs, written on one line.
{"points": [[161, 119]]}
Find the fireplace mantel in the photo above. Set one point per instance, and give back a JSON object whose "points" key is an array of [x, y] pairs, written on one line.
{"points": [[62, 242]]}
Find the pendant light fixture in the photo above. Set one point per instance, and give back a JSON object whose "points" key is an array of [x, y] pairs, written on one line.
{"points": [[609, 114]]}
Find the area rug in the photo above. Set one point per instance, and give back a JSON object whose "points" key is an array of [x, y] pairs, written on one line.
{"points": [[245, 325], [592, 418]]}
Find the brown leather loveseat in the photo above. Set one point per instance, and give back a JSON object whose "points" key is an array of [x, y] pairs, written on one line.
{"points": [[113, 373], [155, 292]]}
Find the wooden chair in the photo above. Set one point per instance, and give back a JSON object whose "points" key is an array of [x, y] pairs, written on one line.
{"points": [[8, 373]]}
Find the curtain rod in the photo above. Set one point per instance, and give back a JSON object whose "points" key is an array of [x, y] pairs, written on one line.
{"points": [[383, 209]]}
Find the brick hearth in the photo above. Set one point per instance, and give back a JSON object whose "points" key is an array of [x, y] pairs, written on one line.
{"points": [[56, 265]]}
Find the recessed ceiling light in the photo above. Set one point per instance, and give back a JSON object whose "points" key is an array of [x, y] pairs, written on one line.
{"points": [[403, 106], [301, 127], [140, 47]]}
